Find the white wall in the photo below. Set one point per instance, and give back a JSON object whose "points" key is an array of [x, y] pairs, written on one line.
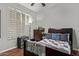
{"points": [[61, 16], [4, 42]]}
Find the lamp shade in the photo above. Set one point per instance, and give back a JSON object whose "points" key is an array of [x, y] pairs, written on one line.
{"points": [[30, 21]]}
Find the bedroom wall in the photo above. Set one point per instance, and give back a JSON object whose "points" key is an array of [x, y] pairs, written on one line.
{"points": [[61, 16], [4, 42]]}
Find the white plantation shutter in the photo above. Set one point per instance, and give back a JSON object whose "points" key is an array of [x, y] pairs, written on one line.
{"points": [[12, 28], [23, 24], [26, 26], [17, 24], [20, 23]]}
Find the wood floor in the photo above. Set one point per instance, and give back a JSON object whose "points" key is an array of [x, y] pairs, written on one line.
{"points": [[13, 52], [19, 52]]}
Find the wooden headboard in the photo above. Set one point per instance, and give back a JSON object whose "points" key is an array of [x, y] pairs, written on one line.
{"points": [[64, 30]]}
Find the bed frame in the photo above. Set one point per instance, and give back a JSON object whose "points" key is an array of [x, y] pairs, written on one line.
{"points": [[49, 51], [63, 30]]}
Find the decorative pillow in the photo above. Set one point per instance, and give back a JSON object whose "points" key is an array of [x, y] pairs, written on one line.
{"points": [[48, 36], [65, 37], [56, 36]]}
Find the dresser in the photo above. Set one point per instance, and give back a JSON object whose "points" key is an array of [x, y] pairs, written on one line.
{"points": [[38, 34]]}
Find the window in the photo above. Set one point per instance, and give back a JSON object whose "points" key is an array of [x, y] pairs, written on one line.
{"points": [[17, 24]]}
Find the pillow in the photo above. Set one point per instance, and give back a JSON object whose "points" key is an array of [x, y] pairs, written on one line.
{"points": [[48, 36], [65, 37], [56, 36]]}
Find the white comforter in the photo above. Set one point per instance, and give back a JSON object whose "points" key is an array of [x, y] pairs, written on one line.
{"points": [[57, 45], [39, 47]]}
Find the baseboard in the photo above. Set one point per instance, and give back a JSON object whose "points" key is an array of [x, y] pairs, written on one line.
{"points": [[7, 49]]}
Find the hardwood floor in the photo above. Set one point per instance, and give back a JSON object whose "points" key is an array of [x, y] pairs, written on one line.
{"points": [[75, 53], [13, 52], [19, 52]]}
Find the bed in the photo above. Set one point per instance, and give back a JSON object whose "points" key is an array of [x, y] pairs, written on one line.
{"points": [[46, 48]]}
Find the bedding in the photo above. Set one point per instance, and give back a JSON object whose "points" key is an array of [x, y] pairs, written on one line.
{"points": [[57, 45], [39, 47]]}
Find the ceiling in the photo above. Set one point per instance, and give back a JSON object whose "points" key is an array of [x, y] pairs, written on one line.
{"points": [[38, 7]]}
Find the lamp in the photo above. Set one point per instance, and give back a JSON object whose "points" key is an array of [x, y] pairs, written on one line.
{"points": [[30, 21]]}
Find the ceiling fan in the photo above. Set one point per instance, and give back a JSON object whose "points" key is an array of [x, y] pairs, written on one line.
{"points": [[43, 4]]}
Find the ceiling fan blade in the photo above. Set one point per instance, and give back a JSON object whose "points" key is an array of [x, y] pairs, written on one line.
{"points": [[43, 4], [32, 4]]}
